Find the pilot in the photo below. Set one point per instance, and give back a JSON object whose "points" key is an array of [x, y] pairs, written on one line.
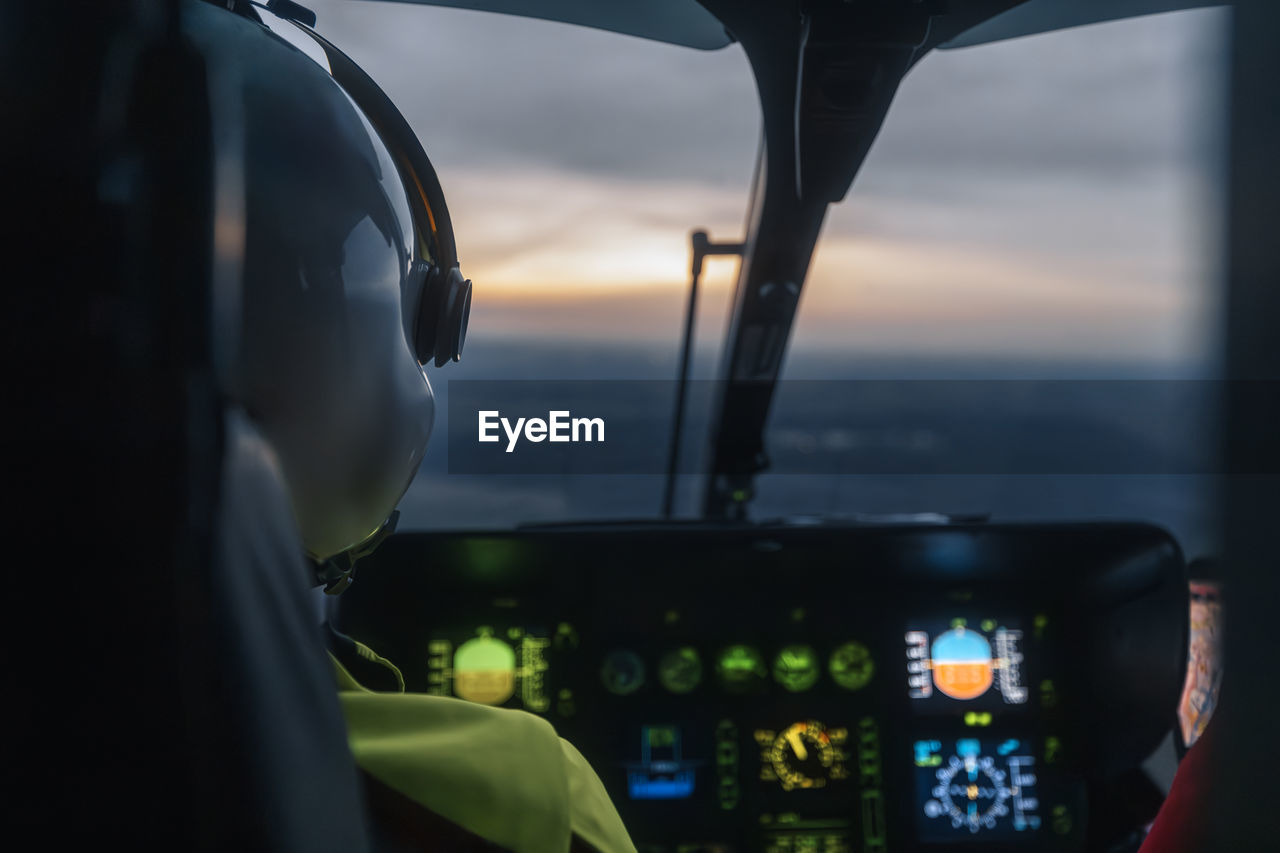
{"points": [[345, 287]]}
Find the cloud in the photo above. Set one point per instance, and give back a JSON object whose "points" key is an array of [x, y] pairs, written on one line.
{"points": [[481, 89], [1094, 102], [534, 230]]}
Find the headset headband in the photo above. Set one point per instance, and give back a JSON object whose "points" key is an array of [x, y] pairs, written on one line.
{"points": [[444, 308]]}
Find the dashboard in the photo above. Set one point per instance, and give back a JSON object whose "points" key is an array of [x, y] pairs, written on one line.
{"points": [[858, 689]]}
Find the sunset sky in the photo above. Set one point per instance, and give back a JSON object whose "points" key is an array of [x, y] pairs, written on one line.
{"points": [[1050, 196]]}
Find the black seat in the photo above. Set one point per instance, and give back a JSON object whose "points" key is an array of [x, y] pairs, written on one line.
{"points": [[279, 750], [167, 682]]}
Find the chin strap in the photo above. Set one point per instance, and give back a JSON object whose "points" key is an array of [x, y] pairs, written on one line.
{"points": [[337, 572]]}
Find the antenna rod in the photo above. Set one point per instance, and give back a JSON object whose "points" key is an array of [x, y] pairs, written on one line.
{"points": [[702, 247]]}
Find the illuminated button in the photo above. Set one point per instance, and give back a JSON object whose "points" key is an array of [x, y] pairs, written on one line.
{"points": [[851, 666], [566, 636], [440, 654], [796, 667], [1048, 694], [928, 753], [622, 673], [1052, 748], [741, 669], [680, 670], [484, 670], [1061, 820], [728, 794], [533, 673]]}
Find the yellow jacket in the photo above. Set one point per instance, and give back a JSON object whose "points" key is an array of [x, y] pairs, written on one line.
{"points": [[500, 775]]}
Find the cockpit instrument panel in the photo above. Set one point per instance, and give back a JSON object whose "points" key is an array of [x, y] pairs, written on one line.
{"points": [[860, 689]]}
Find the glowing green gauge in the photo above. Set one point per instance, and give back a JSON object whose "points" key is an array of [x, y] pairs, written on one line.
{"points": [[484, 669], [796, 667], [622, 673], [851, 666], [741, 669], [680, 670]]}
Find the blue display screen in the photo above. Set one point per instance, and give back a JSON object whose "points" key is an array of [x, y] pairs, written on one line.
{"points": [[676, 787], [661, 773], [980, 789]]}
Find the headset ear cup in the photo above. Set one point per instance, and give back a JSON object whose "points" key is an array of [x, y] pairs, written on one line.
{"points": [[445, 310], [454, 314]]}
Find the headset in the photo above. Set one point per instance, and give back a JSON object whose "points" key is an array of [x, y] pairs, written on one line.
{"points": [[444, 296]]}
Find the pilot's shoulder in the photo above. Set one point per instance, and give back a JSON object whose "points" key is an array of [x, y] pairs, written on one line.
{"points": [[500, 774]]}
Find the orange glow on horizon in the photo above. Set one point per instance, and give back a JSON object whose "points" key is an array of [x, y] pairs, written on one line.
{"points": [[592, 258]]}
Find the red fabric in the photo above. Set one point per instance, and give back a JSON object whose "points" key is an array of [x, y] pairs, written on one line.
{"points": [[1182, 826]]}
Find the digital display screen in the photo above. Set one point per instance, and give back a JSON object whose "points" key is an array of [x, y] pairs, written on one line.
{"points": [[966, 662], [978, 789], [662, 773], [494, 665]]}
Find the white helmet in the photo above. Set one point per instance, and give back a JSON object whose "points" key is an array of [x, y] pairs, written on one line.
{"points": [[349, 283]]}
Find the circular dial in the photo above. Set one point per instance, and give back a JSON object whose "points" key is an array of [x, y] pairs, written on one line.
{"points": [[803, 756], [741, 669], [796, 667], [972, 792], [622, 673], [851, 666], [680, 670]]}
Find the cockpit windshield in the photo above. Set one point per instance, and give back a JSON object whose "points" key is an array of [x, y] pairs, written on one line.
{"points": [[1038, 209], [1029, 249]]}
